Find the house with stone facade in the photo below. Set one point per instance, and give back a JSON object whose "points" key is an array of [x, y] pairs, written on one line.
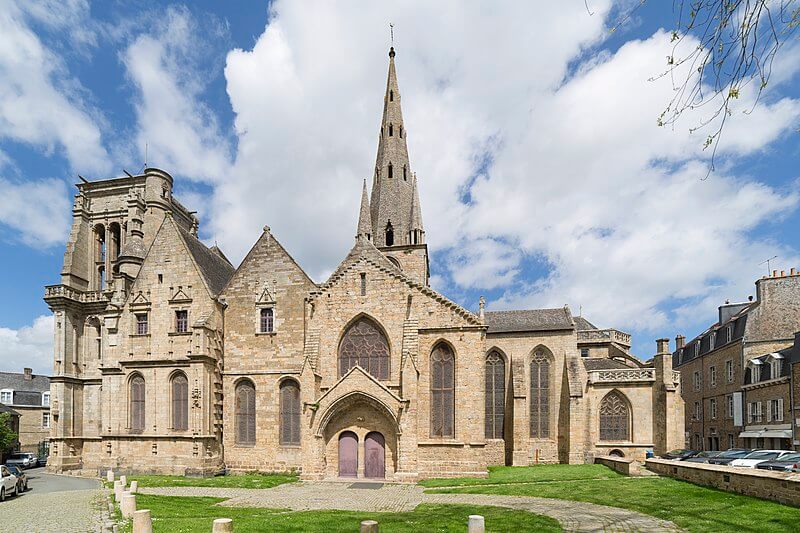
{"points": [[28, 395], [737, 372], [169, 359]]}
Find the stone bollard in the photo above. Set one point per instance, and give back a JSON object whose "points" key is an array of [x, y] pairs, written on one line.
{"points": [[142, 523], [128, 506], [369, 526], [124, 481], [223, 525], [117, 491], [476, 524], [110, 476], [134, 488]]}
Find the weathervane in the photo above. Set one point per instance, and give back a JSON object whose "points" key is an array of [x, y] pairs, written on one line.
{"points": [[391, 33]]}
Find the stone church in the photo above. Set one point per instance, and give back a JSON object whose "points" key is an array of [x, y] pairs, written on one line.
{"points": [[169, 359]]}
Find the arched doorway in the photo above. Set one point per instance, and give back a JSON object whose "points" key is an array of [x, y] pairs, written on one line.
{"points": [[348, 454], [374, 456]]}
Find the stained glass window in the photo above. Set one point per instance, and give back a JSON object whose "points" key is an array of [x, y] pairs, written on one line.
{"points": [[364, 345], [614, 418], [442, 392], [137, 404], [495, 395], [540, 396]]}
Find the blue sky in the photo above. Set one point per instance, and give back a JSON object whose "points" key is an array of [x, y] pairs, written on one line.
{"points": [[532, 128]]}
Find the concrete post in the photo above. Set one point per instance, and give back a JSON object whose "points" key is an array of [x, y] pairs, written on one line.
{"points": [[476, 524], [223, 525], [134, 488], [117, 491], [124, 481], [128, 506], [142, 523], [110, 476], [369, 526]]}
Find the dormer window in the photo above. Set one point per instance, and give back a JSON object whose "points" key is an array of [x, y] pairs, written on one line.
{"points": [[728, 333], [697, 349], [775, 368], [45, 399], [7, 396], [712, 340]]}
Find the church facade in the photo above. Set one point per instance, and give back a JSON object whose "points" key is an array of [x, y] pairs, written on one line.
{"points": [[169, 359]]}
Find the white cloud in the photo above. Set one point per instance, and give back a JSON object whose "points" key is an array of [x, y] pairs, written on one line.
{"points": [[30, 346], [37, 210], [39, 102]]}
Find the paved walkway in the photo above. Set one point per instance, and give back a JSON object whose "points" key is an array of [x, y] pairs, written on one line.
{"points": [[573, 516], [54, 503]]}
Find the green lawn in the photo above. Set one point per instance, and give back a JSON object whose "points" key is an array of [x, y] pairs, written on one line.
{"points": [[244, 481], [695, 508], [183, 514]]}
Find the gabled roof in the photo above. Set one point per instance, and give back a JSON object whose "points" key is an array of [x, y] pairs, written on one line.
{"points": [[212, 266], [529, 320], [7, 409], [17, 382], [216, 250], [602, 363], [581, 324]]}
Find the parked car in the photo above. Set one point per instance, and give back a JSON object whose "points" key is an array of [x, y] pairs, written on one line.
{"points": [[727, 457], [22, 478], [702, 457], [759, 456], [783, 464], [23, 460], [8, 483], [679, 455]]}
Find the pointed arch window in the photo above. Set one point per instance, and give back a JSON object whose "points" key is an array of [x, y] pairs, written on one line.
{"points": [[495, 395], [180, 402], [365, 345], [137, 404], [290, 413], [615, 418], [540, 396], [442, 391], [245, 412], [389, 233]]}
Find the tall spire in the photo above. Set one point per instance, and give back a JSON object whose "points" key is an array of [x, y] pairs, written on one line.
{"points": [[364, 222], [416, 235], [392, 189]]}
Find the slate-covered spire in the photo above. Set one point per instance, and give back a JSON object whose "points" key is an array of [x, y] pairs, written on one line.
{"points": [[364, 222], [416, 233], [392, 189]]}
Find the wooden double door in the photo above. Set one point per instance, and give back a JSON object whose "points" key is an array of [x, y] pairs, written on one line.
{"points": [[374, 455]]}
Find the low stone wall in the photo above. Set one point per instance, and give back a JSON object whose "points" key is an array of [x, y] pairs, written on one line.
{"points": [[782, 487], [623, 465]]}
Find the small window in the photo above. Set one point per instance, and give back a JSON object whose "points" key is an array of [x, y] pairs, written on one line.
{"points": [[391, 96], [46, 420], [584, 352], [391, 132], [391, 174], [363, 284], [712, 375], [405, 173], [141, 324], [712, 404], [400, 131], [181, 321], [729, 371], [389, 232], [697, 381], [697, 410], [267, 320], [46, 399], [7, 397], [161, 278]]}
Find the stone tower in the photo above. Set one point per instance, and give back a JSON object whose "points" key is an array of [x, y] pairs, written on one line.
{"points": [[395, 209]]}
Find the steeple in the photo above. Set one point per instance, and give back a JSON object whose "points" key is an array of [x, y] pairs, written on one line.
{"points": [[364, 222], [416, 235], [392, 190]]}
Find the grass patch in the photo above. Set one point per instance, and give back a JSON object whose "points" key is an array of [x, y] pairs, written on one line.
{"points": [[192, 514], [244, 481], [528, 474], [698, 509]]}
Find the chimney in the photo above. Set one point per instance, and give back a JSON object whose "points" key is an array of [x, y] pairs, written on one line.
{"points": [[774, 273], [680, 342], [792, 271], [663, 346], [28, 374]]}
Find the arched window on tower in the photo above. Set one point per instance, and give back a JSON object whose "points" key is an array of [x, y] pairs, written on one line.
{"points": [[391, 169], [245, 412], [116, 240], [289, 413], [180, 402], [400, 131], [137, 404], [540, 396], [443, 381], [495, 395], [405, 173], [99, 256], [365, 345], [391, 96], [615, 418], [389, 233], [391, 130]]}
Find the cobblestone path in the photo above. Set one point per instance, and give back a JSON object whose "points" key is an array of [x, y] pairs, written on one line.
{"points": [[73, 511], [302, 496]]}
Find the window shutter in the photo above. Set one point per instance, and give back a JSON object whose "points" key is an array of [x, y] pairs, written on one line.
{"points": [[779, 418], [769, 411]]}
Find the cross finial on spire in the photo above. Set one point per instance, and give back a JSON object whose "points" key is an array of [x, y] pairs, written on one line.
{"points": [[391, 39]]}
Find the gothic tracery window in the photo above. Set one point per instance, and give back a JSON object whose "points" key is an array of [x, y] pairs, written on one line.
{"points": [[289, 413], [365, 345], [245, 412], [442, 391], [540, 396], [180, 402], [614, 418], [137, 404], [495, 395]]}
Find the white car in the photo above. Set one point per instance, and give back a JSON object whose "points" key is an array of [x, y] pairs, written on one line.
{"points": [[8, 483], [759, 456]]}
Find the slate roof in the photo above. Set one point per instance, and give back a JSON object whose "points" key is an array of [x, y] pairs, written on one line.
{"points": [[216, 249], [529, 320], [765, 369], [7, 409], [581, 324], [602, 363], [17, 382], [216, 270]]}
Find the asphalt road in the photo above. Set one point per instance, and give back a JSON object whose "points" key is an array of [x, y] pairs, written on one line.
{"points": [[40, 482]]}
